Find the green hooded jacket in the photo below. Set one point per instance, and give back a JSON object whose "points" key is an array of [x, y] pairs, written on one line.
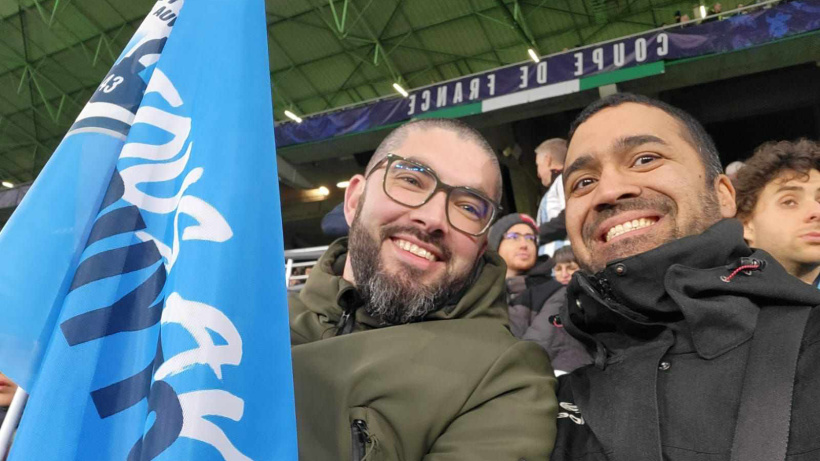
{"points": [[456, 386]]}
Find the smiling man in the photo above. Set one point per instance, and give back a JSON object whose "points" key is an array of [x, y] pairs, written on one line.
{"points": [[697, 340], [778, 201], [401, 349]]}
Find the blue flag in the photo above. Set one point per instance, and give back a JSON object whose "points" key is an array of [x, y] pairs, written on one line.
{"points": [[145, 311]]}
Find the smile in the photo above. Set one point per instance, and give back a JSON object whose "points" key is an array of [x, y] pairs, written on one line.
{"points": [[629, 226], [415, 249]]}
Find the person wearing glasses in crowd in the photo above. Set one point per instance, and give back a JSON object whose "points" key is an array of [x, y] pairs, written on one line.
{"points": [[515, 238], [399, 338]]}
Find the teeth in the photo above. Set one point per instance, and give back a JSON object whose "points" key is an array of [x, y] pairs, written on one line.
{"points": [[413, 248], [629, 226]]}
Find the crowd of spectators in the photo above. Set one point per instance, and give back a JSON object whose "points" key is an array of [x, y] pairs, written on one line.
{"points": [[660, 282]]}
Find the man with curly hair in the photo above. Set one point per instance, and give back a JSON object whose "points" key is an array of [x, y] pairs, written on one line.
{"points": [[778, 201]]}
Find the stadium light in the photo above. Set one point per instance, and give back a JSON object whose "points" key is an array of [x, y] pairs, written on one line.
{"points": [[533, 55], [323, 190], [7, 184], [293, 116], [343, 184], [401, 90]]}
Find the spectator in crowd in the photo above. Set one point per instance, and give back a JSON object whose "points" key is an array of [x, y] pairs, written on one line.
{"points": [[534, 316], [733, 169], [334, 224], [7, 390], [714, 13], [697, 340], [777, 201], [677, 17], [399, 339], [515, 239], [685, 18], [549, 160], [565, 265]]}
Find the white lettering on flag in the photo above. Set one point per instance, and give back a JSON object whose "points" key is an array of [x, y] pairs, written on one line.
{"points": [[197, 319], [213, 402]]}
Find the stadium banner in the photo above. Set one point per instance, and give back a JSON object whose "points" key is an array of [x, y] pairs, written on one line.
{"points": [[145, 308], [561, 74]]}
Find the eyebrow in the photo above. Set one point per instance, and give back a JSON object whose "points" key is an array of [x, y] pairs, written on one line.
{"points": [[471, 186], [579, 163], [631, 142], [789, 189], [620, 145]]}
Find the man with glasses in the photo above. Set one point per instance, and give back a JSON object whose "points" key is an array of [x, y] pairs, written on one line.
{"points": [[400, 344]]}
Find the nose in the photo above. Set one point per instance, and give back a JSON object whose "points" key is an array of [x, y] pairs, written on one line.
{"points": [[432, 216], [814, 212], [612, 187]]}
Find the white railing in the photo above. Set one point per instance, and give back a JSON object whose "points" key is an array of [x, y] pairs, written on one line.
{"points": [[302, 257]]}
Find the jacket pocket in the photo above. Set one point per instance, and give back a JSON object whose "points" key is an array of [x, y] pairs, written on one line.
{"points": [[372, 438]]}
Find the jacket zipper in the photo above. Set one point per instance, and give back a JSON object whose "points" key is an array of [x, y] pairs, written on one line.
{"points": [[346, 322], [361, 437]]}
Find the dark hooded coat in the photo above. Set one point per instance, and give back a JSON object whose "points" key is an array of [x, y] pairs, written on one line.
{"points": [[670, 340]]}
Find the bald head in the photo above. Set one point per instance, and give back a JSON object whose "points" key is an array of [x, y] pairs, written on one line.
{"points": [[396, 138]]}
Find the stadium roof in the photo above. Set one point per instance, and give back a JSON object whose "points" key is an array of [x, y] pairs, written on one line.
{"points": [[324, 54]]}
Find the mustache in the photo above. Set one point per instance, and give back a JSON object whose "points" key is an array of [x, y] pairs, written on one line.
{"points": [[435, 240], [662, 205]]}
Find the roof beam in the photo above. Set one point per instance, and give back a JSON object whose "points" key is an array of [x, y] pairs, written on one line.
{"points": [[519, 22]]}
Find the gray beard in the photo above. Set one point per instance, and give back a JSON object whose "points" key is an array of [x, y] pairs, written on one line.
{"points": [[397, 299]]}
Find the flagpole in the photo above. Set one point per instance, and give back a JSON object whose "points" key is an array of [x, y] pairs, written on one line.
{"points": [[18, 403]]}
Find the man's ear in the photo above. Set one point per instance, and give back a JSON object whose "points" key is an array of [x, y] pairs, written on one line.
{"points": [[353, 197], [726, 196], [748, 231]]}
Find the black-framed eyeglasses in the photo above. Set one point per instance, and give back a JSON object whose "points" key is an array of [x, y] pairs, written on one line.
{"points": [[413, 184]]}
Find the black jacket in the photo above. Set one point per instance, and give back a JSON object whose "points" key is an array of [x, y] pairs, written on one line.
{"points": [[670, 339]]}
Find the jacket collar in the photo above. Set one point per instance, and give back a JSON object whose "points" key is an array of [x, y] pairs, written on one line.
{"points": [[328, 294], [678, 286]]}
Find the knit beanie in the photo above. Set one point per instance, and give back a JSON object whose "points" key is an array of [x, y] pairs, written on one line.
{"points": [[504, 224]]}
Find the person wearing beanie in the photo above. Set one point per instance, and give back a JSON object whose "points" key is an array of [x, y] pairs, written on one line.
{"points": [[515, 238]]}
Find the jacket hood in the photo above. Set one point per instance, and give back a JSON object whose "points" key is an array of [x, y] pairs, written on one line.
{"points": [[328, 294], [681, 285]]}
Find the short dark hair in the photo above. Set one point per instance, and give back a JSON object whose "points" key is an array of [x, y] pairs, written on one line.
{"points": [[564, 255], [769, 161], [693, 131]]}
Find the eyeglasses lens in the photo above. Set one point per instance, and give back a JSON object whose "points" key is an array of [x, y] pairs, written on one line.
{"points": [[412, 184]]}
